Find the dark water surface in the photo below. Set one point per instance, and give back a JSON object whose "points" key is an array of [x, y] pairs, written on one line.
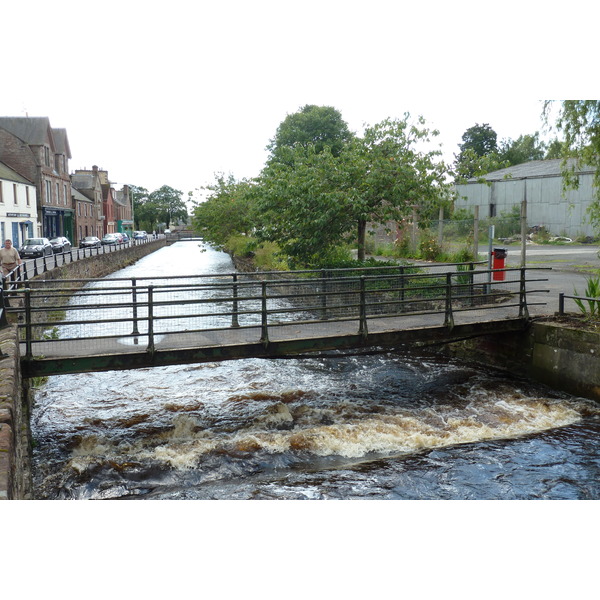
{"points": [[378, 426]]}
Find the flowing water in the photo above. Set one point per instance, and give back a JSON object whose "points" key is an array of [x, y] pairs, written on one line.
{"points": [[381, 425]]}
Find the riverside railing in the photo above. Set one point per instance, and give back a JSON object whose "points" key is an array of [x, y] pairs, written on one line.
{"points": [[106, 316], [37, 266]]}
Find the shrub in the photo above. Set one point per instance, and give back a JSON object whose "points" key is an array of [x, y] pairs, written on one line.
{"points": [[592, 290]]}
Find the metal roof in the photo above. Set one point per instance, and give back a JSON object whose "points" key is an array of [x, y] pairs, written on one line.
{"points": [[535, 168]]}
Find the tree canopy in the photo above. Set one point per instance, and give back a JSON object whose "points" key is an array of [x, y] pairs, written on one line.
{"points": [[312, 201], [168, 204], [579, 122], [227, 211], [319, 126], [161, 206]]}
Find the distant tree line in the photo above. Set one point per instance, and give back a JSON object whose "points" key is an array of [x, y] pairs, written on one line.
{"points": [[155, 209]]}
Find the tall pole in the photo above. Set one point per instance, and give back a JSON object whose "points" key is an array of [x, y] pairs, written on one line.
{"points": [[476, 234], [524, 227]]}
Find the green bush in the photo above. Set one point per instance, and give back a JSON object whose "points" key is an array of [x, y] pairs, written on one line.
{"points": [[268, 257], [592, 290]]}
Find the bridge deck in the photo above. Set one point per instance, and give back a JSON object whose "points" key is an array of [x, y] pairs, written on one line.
{"points": [[124, 324], [284, 340]]}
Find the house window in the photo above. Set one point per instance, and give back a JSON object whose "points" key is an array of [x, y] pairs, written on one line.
{"points": [[27, 196], [492, 211], [1, 198], [79, 209], [48, 192], [15, 197], [65, 193], [47, 156], [57, 193]]}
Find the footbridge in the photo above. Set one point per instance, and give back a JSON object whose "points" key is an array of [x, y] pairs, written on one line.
{"points": [[72, 326]]}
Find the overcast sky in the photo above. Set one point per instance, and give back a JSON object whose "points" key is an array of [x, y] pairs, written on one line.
{"points": [[169, 93]]}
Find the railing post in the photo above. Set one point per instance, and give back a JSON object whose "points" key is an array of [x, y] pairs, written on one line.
{"points": [[135, 312], [402, 292], [28, 325], [561, 304], [324, 294], [363, 330], [44, 262], [234, 315], [471, 284], [449, 319], [264, 337], [523, 310], [150, 347], [3, 319]]}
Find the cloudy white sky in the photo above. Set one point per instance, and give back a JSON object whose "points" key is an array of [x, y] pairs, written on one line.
{"points": [[169, 93]]}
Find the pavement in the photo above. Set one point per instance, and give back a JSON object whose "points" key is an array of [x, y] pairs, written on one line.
{"points": [[568, 269]]}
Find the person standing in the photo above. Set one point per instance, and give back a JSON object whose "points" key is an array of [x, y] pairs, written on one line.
{"points": [[9, 258]]}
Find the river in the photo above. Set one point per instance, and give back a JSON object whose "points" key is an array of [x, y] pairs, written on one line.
{"points": [[383, 425]]}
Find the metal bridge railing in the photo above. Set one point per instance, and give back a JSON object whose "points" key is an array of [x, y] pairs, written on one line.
{"points": [[152, 311]]}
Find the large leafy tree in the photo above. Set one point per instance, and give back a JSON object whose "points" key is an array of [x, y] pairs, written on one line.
{"points": [[524, 149], [318, 126], [168, 204], [303, 204], [141, 215], [478, 142], [314, 200], [579, 122], [392, 174]]}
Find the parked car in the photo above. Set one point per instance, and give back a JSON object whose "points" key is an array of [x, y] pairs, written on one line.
{"points": [[111, 238], [125, 237], [60, 244], [33, 247], [91, 241], [140, 235]]}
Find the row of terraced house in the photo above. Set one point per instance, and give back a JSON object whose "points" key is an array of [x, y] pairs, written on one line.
{"points": [[39, 197]]}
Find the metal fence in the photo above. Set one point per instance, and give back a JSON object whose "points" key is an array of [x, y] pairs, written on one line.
{"points": [[115, 312]]}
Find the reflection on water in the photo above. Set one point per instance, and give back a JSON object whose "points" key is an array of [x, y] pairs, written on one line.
{"points": [[389, 426]]}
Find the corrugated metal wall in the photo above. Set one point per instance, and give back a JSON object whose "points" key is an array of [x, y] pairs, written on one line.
{"points": [[561, 214]]}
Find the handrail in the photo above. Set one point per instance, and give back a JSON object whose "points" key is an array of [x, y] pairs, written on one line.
{"points": [[160, 310], [561, 301]]}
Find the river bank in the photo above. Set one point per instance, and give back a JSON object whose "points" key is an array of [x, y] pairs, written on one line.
{"points": [[15, 394]]}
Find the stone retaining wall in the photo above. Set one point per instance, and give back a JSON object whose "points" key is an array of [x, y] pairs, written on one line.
{"points": [[15, 401], [562, 355]]}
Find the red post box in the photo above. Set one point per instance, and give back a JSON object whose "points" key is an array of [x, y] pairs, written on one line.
{"points": [[499, 262]]}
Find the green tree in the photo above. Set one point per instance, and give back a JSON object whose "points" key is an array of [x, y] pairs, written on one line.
{"points": [[391, 174], [143, 214], [227, 211], [303, 204], [554, 149], [579, 122], [318, 126], [472, 166], [168, 205], [312, 201], [477, 141], [524, 149]]}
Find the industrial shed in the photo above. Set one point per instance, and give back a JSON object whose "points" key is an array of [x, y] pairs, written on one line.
{"points": [[540, 182]]}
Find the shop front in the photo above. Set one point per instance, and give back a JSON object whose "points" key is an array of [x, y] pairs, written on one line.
{"points": [[58, 222]]}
